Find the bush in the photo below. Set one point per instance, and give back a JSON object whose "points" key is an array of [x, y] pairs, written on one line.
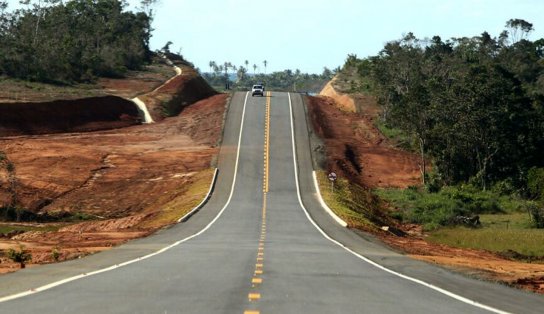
{"points": [[535, 182], [447, 205], [537, 215], [20, 256]]}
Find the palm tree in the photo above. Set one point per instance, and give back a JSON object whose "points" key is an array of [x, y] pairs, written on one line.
{"points": [[265, 63], [247, 64], [254, 68], [212, 65]]}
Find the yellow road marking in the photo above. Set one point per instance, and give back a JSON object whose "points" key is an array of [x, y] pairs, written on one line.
{"points": [[267, 141], [254, 296], [258, 272], [252, 312], [260, 254], [259, 265], [260, 259], [257, 280]]}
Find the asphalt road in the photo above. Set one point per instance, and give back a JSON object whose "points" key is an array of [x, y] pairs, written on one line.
{"points": [[258, 246]]}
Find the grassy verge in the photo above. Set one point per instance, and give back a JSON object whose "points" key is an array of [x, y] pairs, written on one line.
{"points": [[7, 228], [355, 205], [190, 196], [500, 233], [505, 223]]}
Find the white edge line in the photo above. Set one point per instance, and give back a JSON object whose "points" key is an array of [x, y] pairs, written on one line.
{"points": [[325, 206], [420, 282], [73, 278], [204, 200]]}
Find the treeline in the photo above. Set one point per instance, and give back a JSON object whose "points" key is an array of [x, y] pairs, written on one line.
{"points": [[474, 106], [70, 41], [242, 78]]}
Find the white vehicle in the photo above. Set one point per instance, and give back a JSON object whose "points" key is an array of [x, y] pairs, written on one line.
{"points": [[257, 89]]}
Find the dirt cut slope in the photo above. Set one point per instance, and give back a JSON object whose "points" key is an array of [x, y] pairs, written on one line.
{"points": [[357, 150], [175, 95]]}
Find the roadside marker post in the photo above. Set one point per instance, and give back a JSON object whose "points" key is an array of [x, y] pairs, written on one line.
{"points": [[332, 177]]}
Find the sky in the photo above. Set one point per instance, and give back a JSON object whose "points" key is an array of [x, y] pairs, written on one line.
{"points": [[312, 34]]}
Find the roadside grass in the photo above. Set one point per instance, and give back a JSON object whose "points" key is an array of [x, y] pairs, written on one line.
{"points": [[189, 196], [528, 242], [397, 136], [505, 222], [15, 90], [21, 91], [7, 228], [358, 207], [434, 210]]}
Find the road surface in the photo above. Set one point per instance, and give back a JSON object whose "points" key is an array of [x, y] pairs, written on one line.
{"points": [[258, 246]]}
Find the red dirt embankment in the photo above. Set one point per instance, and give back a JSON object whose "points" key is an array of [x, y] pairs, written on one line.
{"points": [[130, 180], [357, 150], [179, 92], [80, 115]]}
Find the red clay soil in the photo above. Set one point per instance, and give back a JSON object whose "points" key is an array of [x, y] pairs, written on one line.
{"points": [[121, 177], [355, 149], [177, 93]]}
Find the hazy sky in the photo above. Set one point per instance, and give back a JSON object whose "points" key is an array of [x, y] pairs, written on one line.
{"points": [[311, 34]]}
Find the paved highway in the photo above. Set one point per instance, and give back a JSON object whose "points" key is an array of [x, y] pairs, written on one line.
{"points": [[258, 246]]}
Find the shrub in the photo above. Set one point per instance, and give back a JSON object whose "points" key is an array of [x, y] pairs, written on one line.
{"points": [[537, 215], [535, 182], [20, 256], [55, 254]]}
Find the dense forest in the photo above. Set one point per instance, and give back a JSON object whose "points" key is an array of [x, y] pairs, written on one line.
{"points": [[70, 41], [241, 78], [473, 106]]}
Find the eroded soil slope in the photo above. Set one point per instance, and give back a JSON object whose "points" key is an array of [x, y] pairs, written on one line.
{"points": [[357, 150], [123, 178], [120, 183]]}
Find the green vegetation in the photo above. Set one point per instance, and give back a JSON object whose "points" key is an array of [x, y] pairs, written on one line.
{"points": [[239, 78], [474, 106], [506, 222], [188, 196], [397, 136], [355, 205], [434, 210], [7, 228], [72, 41], [506, 234], [20, 256]]}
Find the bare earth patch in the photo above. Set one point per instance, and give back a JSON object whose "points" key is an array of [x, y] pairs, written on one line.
{"points": [[129, 182]]}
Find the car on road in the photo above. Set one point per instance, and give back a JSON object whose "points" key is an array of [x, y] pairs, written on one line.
{"points": [[257, 89]]}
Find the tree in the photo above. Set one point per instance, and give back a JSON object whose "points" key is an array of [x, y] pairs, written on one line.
{"points": [[254, 68], [519, 29], [212, 65], [265, 63]]}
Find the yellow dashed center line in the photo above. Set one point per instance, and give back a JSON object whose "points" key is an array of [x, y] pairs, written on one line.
{"points": [[255, 296]]}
